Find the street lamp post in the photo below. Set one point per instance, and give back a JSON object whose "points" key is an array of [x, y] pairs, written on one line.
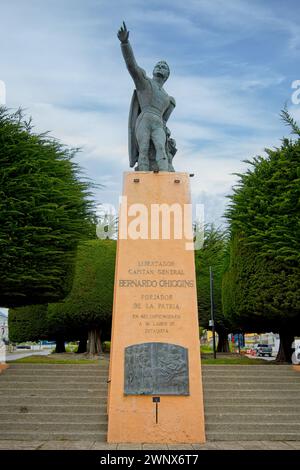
{"points": [[212, 320]]}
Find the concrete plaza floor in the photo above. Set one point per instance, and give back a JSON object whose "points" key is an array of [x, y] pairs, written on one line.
{"points": [[90, 445]]}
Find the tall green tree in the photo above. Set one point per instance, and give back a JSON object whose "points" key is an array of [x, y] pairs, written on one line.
{"points": [[261, 288], [87, 310], [31, 323], [84, 314], [28, 323], [45, 209], [213, 254]]}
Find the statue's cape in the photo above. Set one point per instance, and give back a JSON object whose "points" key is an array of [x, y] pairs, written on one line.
{"points": [[132, 142]]}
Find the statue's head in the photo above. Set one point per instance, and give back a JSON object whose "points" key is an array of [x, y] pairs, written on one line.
{"points": [[161, 69]]}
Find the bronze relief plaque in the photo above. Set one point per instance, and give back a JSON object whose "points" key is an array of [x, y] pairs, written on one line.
{"points": [[156, 369]]}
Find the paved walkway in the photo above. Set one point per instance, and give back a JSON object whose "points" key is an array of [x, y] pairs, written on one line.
{"points": [[20, 354], [90, 445]]}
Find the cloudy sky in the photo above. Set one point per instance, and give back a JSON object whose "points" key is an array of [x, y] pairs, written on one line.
{"points": [[232, 66]]}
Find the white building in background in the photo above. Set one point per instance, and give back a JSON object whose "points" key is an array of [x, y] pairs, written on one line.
{"points": [[3, 336], [3, 327], [272, 339]]}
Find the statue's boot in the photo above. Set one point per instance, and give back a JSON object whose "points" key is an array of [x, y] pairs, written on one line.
{"points": [[163, 164]]}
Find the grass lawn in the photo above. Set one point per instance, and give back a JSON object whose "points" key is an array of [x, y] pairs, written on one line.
{"points": [[74, 359]]}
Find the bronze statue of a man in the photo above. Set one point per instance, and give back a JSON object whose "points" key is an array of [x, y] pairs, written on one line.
{"points": [[149, 139]]}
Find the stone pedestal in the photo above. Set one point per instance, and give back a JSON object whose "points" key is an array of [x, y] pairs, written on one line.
{"points": [[155, 388]]}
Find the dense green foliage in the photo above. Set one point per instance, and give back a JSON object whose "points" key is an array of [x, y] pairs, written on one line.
{"points": [[89, 304], [45, 209], [259, 294], [27, 323], [265, 205], [261, 288], [214, 254]]}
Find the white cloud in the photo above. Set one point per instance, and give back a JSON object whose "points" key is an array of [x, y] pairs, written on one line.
{"points": [[243, 17], [63, 63]]}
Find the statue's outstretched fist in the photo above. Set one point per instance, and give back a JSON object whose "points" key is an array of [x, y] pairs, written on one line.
{"points": [[123, 34]]}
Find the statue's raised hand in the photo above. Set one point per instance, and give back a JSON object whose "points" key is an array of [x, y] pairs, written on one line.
{"points": [[123, 34]]}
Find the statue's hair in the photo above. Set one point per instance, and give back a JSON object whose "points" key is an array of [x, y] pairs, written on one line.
{"points": [[164, 62]]}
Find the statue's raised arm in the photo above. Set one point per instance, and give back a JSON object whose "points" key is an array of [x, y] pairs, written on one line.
{"points": [[149, 142], [123, 33], [137, 73]]}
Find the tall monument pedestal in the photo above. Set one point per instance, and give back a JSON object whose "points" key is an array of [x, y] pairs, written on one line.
{"points": [[155, 385]]}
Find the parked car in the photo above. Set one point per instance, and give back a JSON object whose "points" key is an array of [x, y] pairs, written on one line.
{"points": [[263, 350], [296, 355]]}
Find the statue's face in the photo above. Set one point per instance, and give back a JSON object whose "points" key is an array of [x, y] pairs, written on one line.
{"points": [[161, 69]]}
